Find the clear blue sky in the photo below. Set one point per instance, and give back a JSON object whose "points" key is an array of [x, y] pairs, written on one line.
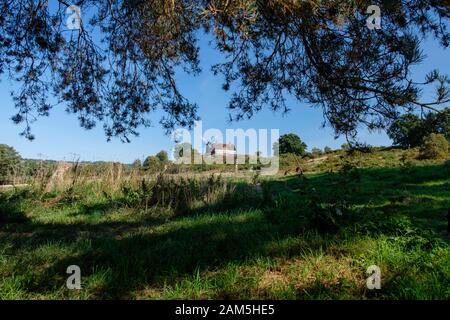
{"points": [[59, 136]]}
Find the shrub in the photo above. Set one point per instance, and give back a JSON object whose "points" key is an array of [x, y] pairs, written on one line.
{"points": [[162, 156], [349, 172], [11, 204], [407, 165], [280, 208], [291, 161], [9, 163], [132, 197], [434, 146], [152, 164], [329, 217]]}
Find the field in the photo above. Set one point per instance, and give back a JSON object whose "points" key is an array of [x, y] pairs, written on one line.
{"points": [[292, 236]]}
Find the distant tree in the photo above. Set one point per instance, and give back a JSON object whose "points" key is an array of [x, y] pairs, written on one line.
{"points": [[137, 164], [291, 143], [30, 167], [407, 132], [151, 163], [316, 152], [327, 150], [438, 123], [346, 146], [9, 162], [307, 156], [435, 146], [163, 156]]}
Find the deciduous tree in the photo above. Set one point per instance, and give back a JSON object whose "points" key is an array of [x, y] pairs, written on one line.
{"points": [[163, 156], [9, 163], [291, 143]]}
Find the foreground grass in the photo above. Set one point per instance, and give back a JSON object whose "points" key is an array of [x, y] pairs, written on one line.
{"points": [[314, 239]]}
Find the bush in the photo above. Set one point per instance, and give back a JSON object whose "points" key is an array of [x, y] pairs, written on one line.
{"points": [[152, 164], [434, 146], [349, 172], [11, 206], [9, 163], [407, 164], [280, 207], [163, 156], [409, 130]]}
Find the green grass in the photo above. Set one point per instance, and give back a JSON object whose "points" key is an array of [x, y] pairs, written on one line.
{"points": [[303, 238]]}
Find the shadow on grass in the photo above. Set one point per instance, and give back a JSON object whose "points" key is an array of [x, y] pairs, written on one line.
{"points": [[136, 255], [11, 210], [157, 259]]}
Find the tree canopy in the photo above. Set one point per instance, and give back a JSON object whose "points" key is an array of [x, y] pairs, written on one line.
{"points": [[120, 65], [151, 163], [291, 143], [163, 156], [409, 130], [9, 161]]}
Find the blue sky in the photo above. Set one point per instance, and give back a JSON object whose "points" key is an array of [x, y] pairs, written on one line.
{"points": [[60, 137]]}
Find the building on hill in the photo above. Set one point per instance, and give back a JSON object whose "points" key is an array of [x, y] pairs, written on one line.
{"points": [[219, 149]]}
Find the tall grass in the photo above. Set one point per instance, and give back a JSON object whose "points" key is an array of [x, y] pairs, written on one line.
{"points": [[201, 236]]}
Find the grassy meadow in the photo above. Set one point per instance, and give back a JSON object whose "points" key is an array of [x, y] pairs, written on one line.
{"points": [[291, 236]]}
